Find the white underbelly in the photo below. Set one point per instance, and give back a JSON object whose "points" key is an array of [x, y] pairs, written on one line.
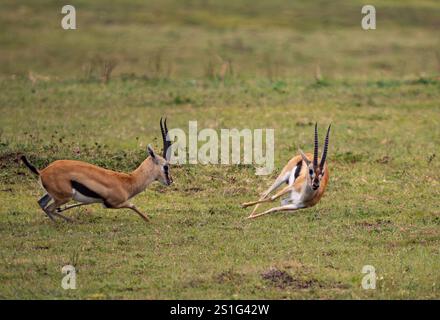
{"points": [[77, 196], [292, 198]]}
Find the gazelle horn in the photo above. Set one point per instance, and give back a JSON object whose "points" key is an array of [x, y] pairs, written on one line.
{"points": [[166, 143], [324, 151], [315, 151]]}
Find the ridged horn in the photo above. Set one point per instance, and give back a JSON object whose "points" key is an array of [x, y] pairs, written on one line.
{"points": [[324, 151], [315, 150], [166, 143]]}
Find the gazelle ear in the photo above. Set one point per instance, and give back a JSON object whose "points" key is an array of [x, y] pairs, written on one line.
{"points": [[151, 151], [303, 156]]}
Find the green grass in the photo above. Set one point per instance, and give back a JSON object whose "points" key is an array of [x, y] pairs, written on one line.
{"points": [[379, 89]]}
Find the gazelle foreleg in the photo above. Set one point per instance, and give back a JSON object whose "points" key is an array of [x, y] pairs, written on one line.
{"points": [[72, 206], [59, 209], [131, 206], [290, 207], [278, 182], [285, 190]]}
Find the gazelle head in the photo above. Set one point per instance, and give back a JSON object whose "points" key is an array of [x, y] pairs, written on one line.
{"points": [[315, 171], [161, 168]]}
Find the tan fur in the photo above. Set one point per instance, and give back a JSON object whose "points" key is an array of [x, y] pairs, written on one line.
{"points": [[115, 188], [297, 186], [66, 180], [322, 186]]}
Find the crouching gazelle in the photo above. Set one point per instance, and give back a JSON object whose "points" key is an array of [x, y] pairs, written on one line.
{"points": [[306, 180], [66, 180]]}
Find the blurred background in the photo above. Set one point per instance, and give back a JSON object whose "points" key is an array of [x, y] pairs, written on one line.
{"points": [[219, 39]]}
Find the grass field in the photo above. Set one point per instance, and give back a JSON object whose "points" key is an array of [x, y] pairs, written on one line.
{"points": [[237, 64]]}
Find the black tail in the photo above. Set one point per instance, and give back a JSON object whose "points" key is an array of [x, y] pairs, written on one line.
{"points": [[31, 167]]}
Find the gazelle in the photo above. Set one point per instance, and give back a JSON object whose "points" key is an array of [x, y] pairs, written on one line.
{"points": [[65, 180], [306, 180]]}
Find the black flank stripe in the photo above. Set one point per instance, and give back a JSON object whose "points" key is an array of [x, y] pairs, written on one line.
{"points": [[85, 191]]}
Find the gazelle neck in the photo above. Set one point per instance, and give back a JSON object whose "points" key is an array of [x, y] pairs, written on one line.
{"points": [[307, 192], [142, 177]]}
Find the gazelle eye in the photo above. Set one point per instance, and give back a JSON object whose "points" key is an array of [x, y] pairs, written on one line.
{"points": [[311, 172]]}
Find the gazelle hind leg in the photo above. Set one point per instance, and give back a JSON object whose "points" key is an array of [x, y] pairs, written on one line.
{"points": [[49, 215], [61, 193], [62, 216], [52, 209], [44, 201], [253, 211], [290, 207]]}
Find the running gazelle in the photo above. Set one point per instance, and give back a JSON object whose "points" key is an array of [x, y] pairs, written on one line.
{"points": [[306, 177], [65, 180]]}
